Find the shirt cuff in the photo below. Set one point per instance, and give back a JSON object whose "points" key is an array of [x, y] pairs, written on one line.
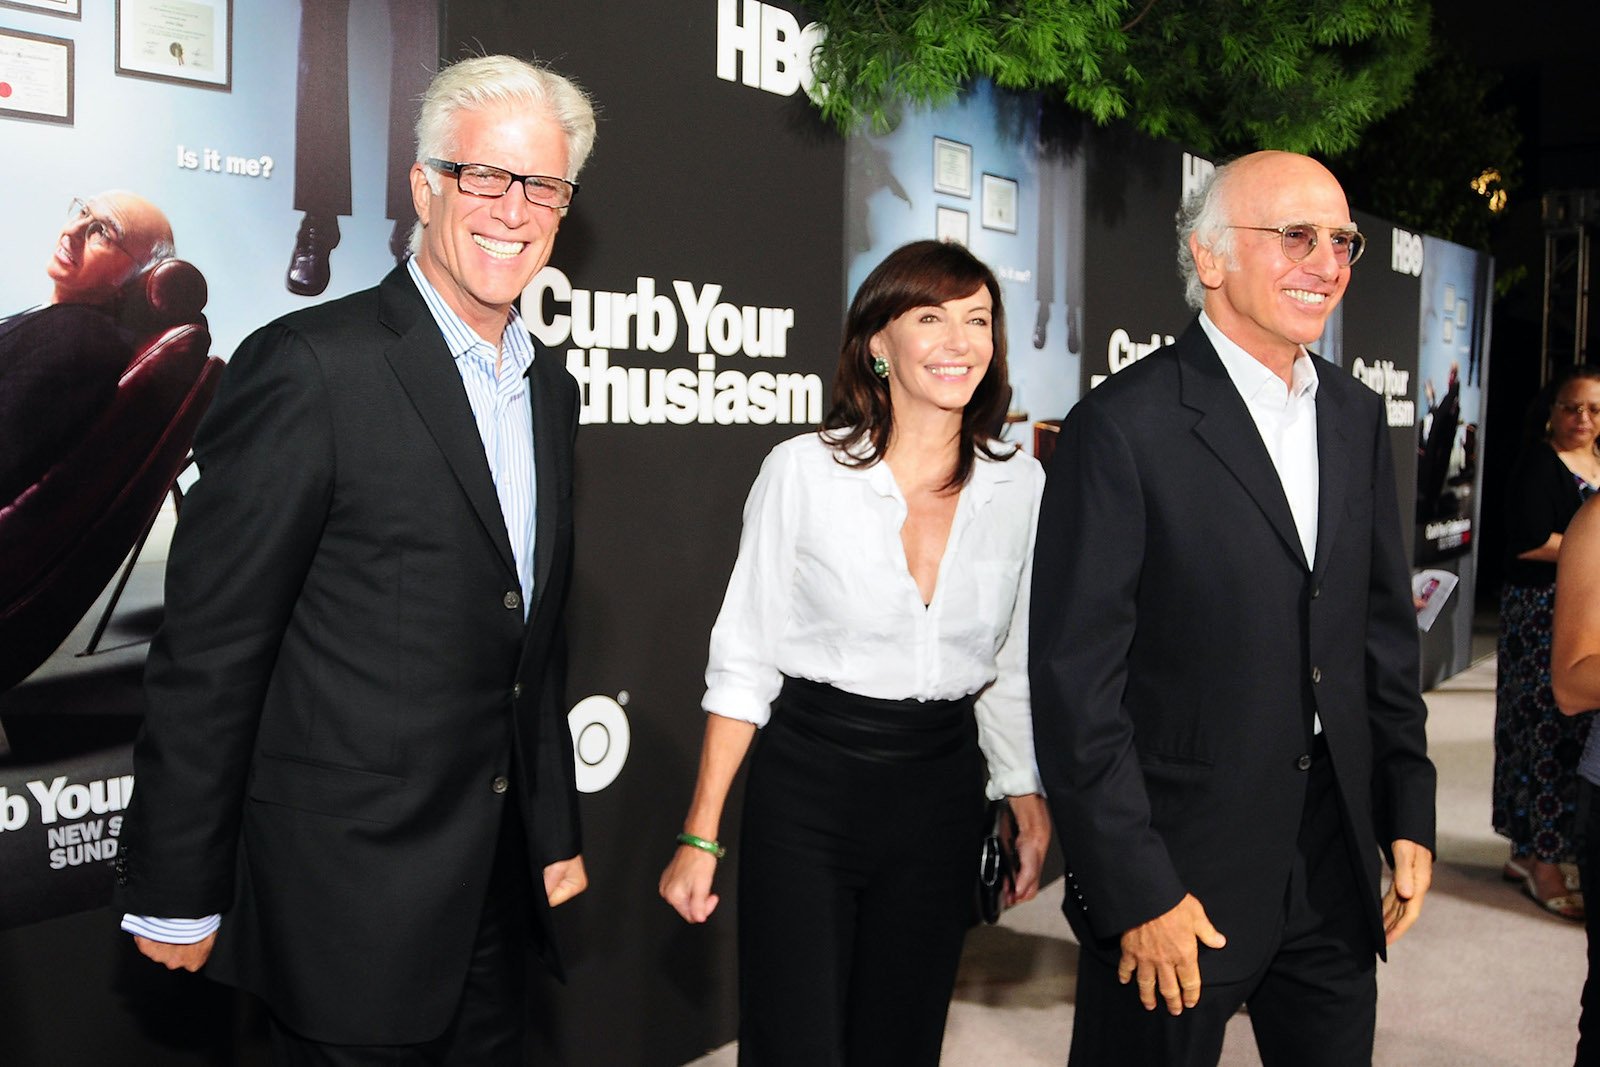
{"points": [[737, 704], [1014, 784], [172, 931]]}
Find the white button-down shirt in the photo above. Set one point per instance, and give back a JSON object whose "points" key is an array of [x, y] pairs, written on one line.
{"points": [[821, 590], [1285, 415]]}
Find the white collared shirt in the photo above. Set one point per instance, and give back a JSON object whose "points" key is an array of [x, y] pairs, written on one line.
{"points": [[821, 591], [1286, 418]]}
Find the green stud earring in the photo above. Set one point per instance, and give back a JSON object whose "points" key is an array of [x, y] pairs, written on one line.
{"points": [[880, 366]]}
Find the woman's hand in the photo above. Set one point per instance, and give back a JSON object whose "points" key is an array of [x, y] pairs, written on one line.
{"points": [[1033, 839], [686, 884]]}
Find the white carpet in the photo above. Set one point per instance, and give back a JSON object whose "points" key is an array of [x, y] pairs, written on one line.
{"points": [[1484, 979]]}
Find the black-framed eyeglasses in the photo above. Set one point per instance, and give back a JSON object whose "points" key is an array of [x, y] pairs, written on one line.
{"points": [[1300, 239], [97, 230], [1592, 410], [480, 179]]}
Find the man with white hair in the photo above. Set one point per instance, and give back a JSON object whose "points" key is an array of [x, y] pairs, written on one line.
{"points": [[60, 362], [355, 781], [1224, 659]]}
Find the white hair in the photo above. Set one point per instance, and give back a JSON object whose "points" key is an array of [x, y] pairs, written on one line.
{"points": [[1204, 215], [484, 81]]}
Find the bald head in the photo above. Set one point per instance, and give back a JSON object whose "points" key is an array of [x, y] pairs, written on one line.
{"points": [[106, 241], [1234, 261]]}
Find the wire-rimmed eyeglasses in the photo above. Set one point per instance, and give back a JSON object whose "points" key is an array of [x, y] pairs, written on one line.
{"points": [[97, 230], [1300, 239]]}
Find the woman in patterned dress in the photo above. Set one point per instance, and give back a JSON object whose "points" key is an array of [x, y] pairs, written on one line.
{"points": [[1536, 748]]}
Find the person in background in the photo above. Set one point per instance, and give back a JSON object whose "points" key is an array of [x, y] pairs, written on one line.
{"points": [[356, 789], [60, 362], [875, 631], [1536, 750], [1575, 681]]}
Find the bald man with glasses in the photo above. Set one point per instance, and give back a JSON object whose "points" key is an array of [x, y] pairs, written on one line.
{"points": [[60, 361], [1224, 658]]}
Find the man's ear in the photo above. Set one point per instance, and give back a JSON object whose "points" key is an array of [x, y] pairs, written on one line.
{"points": [[421, 193], [1209, 266]]}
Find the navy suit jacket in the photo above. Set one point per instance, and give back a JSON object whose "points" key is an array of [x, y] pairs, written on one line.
{"points": [[344, 694], [1181, 643]]}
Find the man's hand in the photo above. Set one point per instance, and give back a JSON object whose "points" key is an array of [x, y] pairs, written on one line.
{"points": [[177, 957], [564, 880], [1413, 874], [1163, 955], [1033, 839]]}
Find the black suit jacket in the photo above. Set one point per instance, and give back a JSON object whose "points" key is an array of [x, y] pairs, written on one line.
{"points": [[344, 682], [59, 368], [1181, 643]]}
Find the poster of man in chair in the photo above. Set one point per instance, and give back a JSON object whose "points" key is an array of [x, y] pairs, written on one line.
{"points": [[126, 283]]}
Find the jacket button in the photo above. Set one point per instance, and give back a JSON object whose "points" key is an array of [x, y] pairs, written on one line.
{"points": [[1316, 591], [502, 783], [1304, 763], [1316, 674], [516, 690], [513, 599]]}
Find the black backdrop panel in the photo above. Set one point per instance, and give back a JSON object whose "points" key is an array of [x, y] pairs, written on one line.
{"points": [[1134, 300], [1380, 346], [707, 182]]}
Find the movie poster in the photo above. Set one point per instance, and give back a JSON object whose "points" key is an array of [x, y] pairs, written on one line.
{"points": [[1451, 351], [221, 135]]}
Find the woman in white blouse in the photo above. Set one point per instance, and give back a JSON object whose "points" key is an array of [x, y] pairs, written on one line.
{"points": [[876, 627]]}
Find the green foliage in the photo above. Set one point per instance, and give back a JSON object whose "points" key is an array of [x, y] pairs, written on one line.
{"points": [[1219, 75], [1416, 166]]}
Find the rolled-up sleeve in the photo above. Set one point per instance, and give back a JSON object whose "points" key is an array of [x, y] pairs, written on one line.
{"points": [[1005, 718], [742, 676]]}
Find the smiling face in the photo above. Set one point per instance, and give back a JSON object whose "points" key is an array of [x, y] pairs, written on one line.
{"points": [[1265, 302], [937, 354], [480, 253], [102, 246]]}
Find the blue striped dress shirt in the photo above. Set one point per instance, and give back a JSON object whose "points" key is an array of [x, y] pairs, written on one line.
{"points": [[502, 406]]}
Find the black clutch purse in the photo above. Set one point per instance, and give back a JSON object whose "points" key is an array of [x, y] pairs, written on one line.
{"points": [[997, 862]]}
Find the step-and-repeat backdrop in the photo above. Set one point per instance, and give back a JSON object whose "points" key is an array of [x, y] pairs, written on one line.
{"points": [[696, 294]]}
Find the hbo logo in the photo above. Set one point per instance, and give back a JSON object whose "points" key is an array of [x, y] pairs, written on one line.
{"points": [[600, 738], [1405, 253]]}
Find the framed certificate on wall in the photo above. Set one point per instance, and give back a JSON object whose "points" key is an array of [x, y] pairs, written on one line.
{"points": [[187, 42], [950, 224], [952, 167], [999, 203], [70, 9], [35, 77]]}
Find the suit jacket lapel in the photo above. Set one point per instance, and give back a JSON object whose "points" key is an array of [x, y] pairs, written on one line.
{"points": [[1333, 463], [1225, 425], [421, 361]]}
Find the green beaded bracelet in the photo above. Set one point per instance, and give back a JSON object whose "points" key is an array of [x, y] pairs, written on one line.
{"points": [[713, 847]]}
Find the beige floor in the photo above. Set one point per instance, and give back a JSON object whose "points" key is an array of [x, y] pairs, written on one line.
{"points": [[1485, 979]]}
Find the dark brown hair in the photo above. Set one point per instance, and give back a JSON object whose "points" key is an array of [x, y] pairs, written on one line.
{"points": [[860, 423]]}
